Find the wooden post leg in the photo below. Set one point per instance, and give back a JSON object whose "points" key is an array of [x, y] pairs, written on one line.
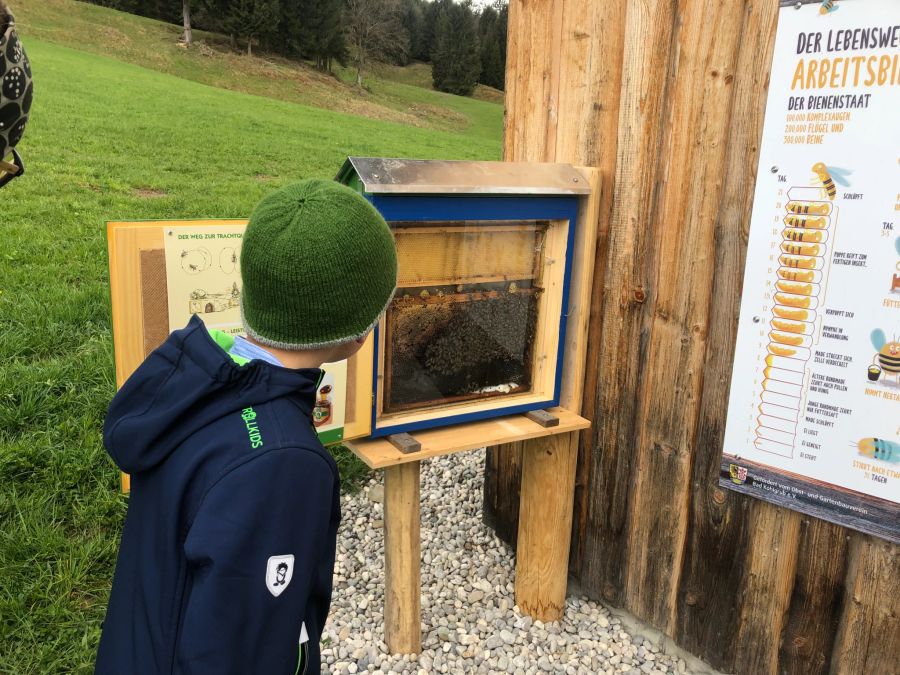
{"points": [[545, 525], [402, 556]]}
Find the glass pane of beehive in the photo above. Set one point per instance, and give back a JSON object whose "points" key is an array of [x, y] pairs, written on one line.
{"points": [[463, 322]]}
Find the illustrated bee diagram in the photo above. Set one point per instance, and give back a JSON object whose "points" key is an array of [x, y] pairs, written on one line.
{"points": [[886, 362], [202, 302], [878, 448], [802, 255], [827, 7], [196, 260], [228, 260], [828, 175]]}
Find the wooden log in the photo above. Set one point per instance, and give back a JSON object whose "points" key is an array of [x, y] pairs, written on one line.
{"points": [[816, 600], [717, 545], [628, 279], [545, 520], [404, 443], [402, 557], [699, 102], [868, 640]]}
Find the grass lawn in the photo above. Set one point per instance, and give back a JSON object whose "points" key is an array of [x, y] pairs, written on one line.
{"points": [[110, 140], [396, 94]]}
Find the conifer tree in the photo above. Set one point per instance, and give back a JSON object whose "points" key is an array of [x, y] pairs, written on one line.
{"points": [[455, 61]]}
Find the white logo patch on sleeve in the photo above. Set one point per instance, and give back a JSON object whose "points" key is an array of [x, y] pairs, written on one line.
{"points": [[279, 571]]}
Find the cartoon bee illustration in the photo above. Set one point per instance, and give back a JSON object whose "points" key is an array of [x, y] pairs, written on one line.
{"points": [[829, 175], [796, 275], [827, 7], [800, 249], [878, 448], [802, 235], [794, 221], [805, 208], [887, 360]]}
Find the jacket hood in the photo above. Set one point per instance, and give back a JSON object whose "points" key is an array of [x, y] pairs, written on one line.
{"points": [[184, 385]]}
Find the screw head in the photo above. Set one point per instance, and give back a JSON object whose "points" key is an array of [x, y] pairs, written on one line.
{"points": [[774, 169], [756, 319]]}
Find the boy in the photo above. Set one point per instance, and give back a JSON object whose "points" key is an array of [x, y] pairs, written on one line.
{"points": [[227, 554], [15, 96]]}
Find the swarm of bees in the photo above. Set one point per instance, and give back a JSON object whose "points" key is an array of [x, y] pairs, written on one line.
{"points": [[460, 346]]}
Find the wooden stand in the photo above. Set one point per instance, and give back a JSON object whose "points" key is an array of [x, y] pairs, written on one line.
{"points": [[402, 556], [548, 486]]}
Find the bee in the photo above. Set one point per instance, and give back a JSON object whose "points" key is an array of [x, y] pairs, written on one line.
{"points": [[887, 360], [814, 236], [828, 175], [800, 249], [878, 448], [827, 7], [796, 275], [814, 223], [806, 208], [802, 263]]}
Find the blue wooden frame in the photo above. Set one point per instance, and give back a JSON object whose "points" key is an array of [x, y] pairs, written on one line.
{"points": [[428, 208]]}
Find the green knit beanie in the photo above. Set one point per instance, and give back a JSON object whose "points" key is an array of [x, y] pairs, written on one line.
{"points": [[319, 267]]}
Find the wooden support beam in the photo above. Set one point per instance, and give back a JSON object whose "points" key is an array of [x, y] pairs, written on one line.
{"points": [[545, 522], [402, 557]]}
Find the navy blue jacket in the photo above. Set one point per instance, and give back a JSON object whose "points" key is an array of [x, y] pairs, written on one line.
{"points": [[228, 548]]}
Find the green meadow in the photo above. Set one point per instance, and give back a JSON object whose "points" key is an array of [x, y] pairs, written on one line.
{"points": [[112, 140]]}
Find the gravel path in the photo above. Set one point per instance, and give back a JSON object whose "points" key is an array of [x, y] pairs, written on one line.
{"points": [[470, 623]]}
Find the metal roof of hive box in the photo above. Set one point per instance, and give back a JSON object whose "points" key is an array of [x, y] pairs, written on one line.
{"points": [[381, 175]]}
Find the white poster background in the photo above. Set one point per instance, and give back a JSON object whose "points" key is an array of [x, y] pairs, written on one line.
{"points": [[866, 222]]}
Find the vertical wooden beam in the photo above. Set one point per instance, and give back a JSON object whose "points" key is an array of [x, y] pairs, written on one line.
{"points": [[502, 480], [816, 601], [704, 46], [629, 279], [545, 521], [717, 545], [868, 640], [593, 35], [532, 85], [768, 582], [402, 557]]}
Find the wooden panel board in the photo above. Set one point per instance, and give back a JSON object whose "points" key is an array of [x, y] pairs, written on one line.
{"points": [[869, 637], [140, 309], [815, 605], [378, 453], [717, 543], [699, 95], [629, 279]]}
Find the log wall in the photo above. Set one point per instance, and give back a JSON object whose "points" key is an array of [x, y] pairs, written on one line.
{"points": [[667, 98]]}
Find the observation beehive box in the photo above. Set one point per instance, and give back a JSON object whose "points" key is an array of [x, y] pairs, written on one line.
{"points": [[478, 324]]}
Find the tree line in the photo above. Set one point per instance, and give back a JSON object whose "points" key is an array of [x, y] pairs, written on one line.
{"points": [[464, 45]]}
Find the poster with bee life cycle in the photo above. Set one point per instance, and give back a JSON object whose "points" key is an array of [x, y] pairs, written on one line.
{"points": [[203, 277], [814, 411]]}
